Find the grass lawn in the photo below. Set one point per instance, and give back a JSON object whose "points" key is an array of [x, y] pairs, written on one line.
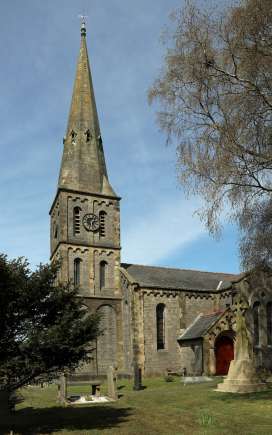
{"points": [[161, 408]]}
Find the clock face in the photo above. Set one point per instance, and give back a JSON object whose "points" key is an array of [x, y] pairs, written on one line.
{"points": [[91, 222]]}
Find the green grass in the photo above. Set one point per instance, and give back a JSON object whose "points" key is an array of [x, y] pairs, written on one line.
{"points": [[161, 408]]}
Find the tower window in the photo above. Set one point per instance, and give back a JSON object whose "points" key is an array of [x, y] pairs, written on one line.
{"points": [[160, 320], [73, 135], [56, 231], [77, 271], [88, 135], [256, 328], [102, 224], [103, 274], [76, 220], [269, 323]]}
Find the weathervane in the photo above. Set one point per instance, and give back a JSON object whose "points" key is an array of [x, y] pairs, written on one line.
{"points": [[83, 24]]}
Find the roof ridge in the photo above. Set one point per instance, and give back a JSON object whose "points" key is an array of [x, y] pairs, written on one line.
{"points": [[214, 313], [175, 268]]}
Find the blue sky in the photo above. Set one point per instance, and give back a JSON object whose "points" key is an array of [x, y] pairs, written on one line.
{"points": [[39, 47]]}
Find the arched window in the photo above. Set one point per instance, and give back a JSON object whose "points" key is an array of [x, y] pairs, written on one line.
{"points": [[76, 220], [102, 224], [256, 326], [160, 318], [77, 271], [103, 274], [269, 323]]}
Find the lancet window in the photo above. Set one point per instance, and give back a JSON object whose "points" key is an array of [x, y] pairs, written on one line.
{"points": [[160, 320], [103, 274], [77, 271]]}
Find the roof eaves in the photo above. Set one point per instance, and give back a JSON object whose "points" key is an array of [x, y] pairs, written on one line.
{"points": [[184, 289], [190, 327]]}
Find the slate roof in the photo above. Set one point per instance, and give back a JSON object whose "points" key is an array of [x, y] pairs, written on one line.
{"points": [[178, 279], [200, 326]]}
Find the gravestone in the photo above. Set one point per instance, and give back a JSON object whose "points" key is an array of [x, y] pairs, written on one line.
{"points": [[112, 383], [137, 378], [62, 389]]}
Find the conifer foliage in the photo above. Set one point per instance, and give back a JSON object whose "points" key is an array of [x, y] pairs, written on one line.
{"points": [[44, 328]]}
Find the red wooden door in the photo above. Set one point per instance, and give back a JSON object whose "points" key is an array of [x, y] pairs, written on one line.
{"points": [[224, 354]]}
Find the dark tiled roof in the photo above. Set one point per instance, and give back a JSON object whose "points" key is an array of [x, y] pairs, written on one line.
{"points": [[180, 279], [200, 326]]}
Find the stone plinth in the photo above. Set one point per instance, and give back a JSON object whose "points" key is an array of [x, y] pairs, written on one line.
{"points": [[242, 378]]}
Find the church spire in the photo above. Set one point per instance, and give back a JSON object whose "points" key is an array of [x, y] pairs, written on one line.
{"points": [[83, 166]]}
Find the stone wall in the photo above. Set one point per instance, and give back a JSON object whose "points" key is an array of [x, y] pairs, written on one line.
{"points": [[196, 303], [128, 325], [181, 309], [89, 246], [157, 361], [62, 214], [192, 358]]}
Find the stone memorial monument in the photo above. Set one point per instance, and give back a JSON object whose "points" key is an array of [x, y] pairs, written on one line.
{"points": [[242, 376]]}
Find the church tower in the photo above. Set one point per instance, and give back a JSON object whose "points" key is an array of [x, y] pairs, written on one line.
{"points": [[85, 216]]}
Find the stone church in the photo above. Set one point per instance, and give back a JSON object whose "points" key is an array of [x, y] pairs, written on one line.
{"points": [[157, 318]]}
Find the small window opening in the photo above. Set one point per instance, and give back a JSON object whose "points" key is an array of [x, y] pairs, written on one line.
{"points": [[88, 135], [160, 318], [77, 267], [102, 224], [56, 231], [77, 211], [103, 273], [73, 135]]}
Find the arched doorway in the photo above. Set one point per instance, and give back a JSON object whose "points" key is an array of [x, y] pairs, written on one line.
{"points": [[224, 353]]}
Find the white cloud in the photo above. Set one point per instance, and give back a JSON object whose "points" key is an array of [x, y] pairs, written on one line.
{"points": [[157, 234]]}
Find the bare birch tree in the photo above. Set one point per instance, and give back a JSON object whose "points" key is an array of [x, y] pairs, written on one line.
{"points": [[215, 99]]}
